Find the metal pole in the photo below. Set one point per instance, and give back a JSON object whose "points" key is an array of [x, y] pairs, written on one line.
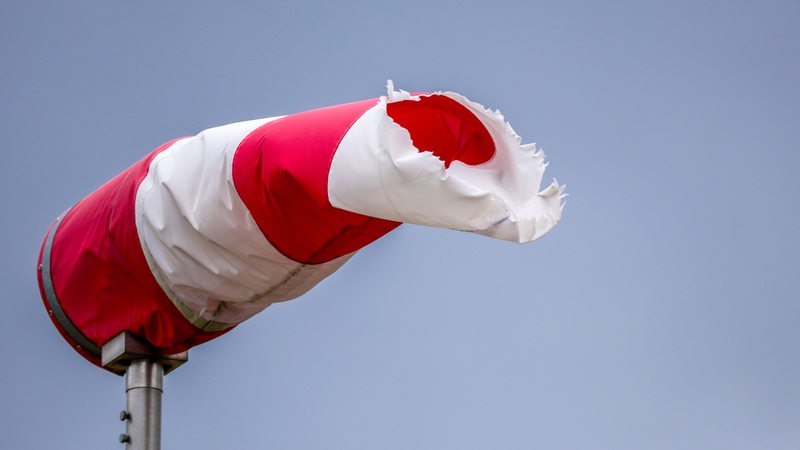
{"points": [[144, 368], [144, 384]]}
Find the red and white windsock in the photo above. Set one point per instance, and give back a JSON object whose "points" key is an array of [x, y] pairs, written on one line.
{"points": [[208, 230]]}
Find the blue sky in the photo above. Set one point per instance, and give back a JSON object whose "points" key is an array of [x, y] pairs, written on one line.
{"points": [[660, 314]]}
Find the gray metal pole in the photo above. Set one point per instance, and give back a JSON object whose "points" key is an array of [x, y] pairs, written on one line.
{"points": [[144, 384], [144, 368]]}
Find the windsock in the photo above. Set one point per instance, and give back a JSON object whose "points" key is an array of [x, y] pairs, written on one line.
{"points": [[208, 230]]}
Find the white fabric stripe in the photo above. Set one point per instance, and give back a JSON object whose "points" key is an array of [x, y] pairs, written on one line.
{"points": [[201, 242], [378, 172]]}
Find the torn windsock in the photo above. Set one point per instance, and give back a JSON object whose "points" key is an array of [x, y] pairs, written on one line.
{"points": [[208, 230]]}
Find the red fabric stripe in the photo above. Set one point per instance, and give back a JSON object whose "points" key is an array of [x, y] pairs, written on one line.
{"points": [[100, 274], [281, 173], [83, 352], [446, 128]]}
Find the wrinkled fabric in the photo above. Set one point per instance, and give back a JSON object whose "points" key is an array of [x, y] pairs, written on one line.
{"points": [[491, 192]]}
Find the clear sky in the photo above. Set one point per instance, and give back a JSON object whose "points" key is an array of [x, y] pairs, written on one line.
{"points": [[661, 313]]}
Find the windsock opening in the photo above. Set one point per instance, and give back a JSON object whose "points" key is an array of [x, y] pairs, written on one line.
{"points": [[444, 127]]}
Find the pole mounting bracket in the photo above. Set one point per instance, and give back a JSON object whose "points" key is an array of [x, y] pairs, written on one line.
{"points": [[124, 348]]}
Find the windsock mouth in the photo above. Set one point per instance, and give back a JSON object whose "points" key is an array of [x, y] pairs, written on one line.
{"points": [[439, 159], [444, 127]]}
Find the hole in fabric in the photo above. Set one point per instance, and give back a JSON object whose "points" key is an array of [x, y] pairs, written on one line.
{"points": [[444, 127]]}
